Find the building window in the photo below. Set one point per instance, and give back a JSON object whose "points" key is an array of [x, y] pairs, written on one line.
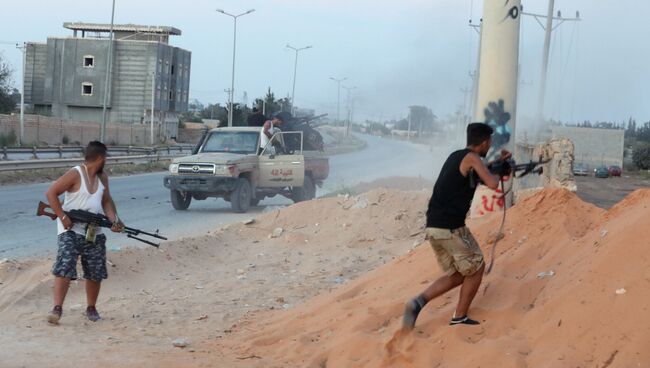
{"points": [[86, 89], [170, 95], [172, 69], [89, 61]]}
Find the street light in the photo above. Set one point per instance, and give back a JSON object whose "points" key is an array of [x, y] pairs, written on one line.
{"points": [[21, 137], [234, 47], [295, 69], [338, 98], [109, 65], [349, 89]]}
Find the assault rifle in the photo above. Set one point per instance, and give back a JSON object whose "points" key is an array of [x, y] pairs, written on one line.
{"points": [[531, 167], [510, 167], [85, 217]]}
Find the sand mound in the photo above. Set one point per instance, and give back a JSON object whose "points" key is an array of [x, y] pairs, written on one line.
{"points": [[640, 198], [591, 312], [379, 215], [197, 288], [395, 182]]}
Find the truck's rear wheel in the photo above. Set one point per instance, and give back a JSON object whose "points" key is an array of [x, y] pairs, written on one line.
{"points": [[240, 199], [180, 201], [306, 192]]}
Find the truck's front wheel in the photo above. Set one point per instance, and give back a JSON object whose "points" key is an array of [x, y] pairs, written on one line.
{"points": [[180, 201], [240, 198]]}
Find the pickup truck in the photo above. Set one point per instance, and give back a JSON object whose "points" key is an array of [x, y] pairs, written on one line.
{"points": [[229, 163]]}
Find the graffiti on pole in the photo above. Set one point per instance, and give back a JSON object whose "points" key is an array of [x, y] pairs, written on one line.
{"points": [[497, 117], [513, 12]]}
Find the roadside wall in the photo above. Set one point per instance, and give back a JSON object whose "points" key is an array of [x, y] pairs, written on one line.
{"points": [[189, 135], [44, 130]]}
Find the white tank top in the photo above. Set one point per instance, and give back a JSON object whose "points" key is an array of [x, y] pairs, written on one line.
{"points": [[82, 200], [264, 140]]}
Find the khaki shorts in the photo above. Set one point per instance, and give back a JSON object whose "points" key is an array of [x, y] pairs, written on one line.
{"points": [[456, 250]]}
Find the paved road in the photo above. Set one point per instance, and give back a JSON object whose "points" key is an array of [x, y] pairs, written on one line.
{"points": [[144, 203]]}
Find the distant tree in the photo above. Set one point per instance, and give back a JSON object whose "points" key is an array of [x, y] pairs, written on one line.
{"points": [[402, 124], [422, 119], [195, 106], [190, 117], [7, 93], [214, 112], [643, 132], [271, 105], [630, 131], [641, 156]]}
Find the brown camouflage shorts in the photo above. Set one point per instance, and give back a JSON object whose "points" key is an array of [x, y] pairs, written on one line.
{"points": [[456, 250]]}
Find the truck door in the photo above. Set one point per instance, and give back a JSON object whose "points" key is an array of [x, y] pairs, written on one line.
{"points": [[281, 166]]}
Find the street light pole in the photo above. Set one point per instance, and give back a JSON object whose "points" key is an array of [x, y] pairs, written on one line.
{"points": [[234, 48], [21, 136], [153, 101], [295, 69], [338, 98], [349, 103], [109, 65]]}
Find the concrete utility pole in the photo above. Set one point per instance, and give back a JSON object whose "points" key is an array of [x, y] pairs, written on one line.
{"points": [[295, 69], [549, 28], [498, 70], [234, 48], [107, 80], [338, 97], [21, 135], [498, 73]]}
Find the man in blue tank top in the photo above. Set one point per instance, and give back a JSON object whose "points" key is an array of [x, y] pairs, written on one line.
{"points": [[85, 188], [456, 249]]}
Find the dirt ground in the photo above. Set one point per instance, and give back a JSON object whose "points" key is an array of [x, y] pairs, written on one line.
{"points": [[199, 288], [322, 284], [569, 289], [605, 193]]}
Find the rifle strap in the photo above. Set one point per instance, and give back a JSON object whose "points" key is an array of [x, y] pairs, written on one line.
{"points": [[500, 233]]}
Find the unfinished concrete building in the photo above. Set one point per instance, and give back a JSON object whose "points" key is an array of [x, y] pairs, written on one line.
{"points": [[65, 77]]}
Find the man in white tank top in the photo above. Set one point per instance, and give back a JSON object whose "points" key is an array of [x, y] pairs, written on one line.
{"points": [[267, 128], [84, 187]]}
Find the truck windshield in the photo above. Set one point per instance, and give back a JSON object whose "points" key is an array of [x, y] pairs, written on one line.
{"points": [[232, 142]]}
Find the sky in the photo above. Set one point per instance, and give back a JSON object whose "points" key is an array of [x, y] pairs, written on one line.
{"points": [[396, 53]]}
